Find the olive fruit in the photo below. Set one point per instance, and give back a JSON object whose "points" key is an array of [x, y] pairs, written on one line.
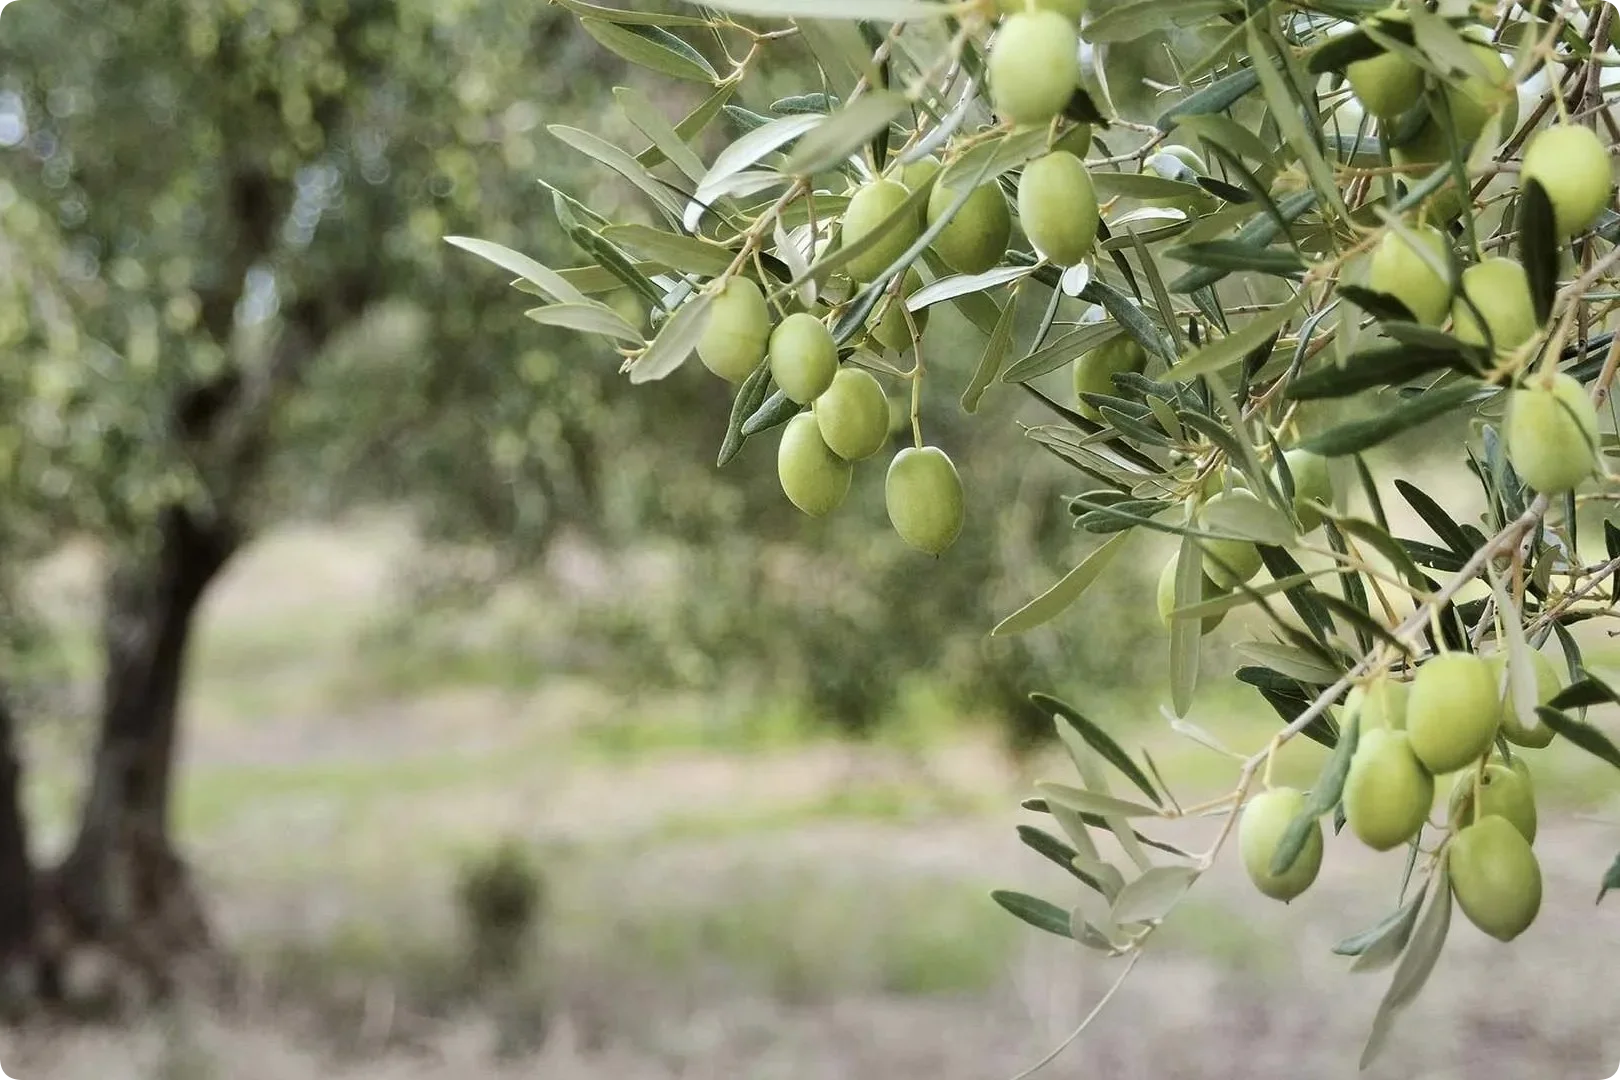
{"points": [[1500, 289], [813, 477], [1265, 819], [1572, 165], [1231, 561], [1095, 369], [1072, 9], [976, 238], [1387, 793], [1167, 595], [1552, 433], [892, 330], [1452, 711], [914, 176], [1058, 207], [1380, 703], [853, 414], [1502, 792], [1549, 681], [1495, 877], [736, 331], [1472, 100], [1184, 160], [1076, 141], [1034, 66], [1311, 484], [1387, 84], [924, 497], [869, 208], [803, 357], [1397, 270]]}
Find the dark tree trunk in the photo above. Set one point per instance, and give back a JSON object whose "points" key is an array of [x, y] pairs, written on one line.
{"points": [[123, 887], [18, 914]]}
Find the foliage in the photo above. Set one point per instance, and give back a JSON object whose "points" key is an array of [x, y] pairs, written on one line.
{"points": [[1285, 236]]}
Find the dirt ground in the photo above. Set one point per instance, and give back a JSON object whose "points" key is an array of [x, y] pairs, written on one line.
{"points": [[735, 912]]}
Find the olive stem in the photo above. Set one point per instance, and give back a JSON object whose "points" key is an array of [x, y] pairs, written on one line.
{"points": [[1130, 965]]}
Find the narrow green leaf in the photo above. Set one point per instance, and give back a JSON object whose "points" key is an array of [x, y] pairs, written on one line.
{"points": [[1611, 879], [750, 395], [1389, 365], [1361, 435], [1040, 914], [1445, 527], [1324, 796], [547, 280], [1582, 734], [1057, 851], [749, 149], [687, 254], [1099, 740], [1151, 897], [1538, 246], [1234, 347], [1056, 600], [590, 318], [1249, 520], [957, 285], [1236, 256], [1082, 801], [1378, 946], [1284, 100], [621, 162], [1295, 663], [1217, 97], [1186, 635], [666, 140], [1144, 185], [675, 341], [654, 48], [995, 352], [625, 17], [1416, 964], [844, 132], [693, 123]]}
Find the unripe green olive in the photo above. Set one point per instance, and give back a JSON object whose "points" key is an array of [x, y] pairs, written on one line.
{"points": [[1076, 141], [1549, 681], [1472, 100], [1034, 66], [1231, 561], [1551, 432], [1452, 711], [1167, 596], [1070, 9], [737, 330], [1094, 371], [803, 357], [1388, 84], [1057, 205], [1380, 703], [1571, 163], [853, 414], [1312, 483], [893, 331], [1398, 270], [924, 497], [1187, 156], [1500, 289], [1387, 793], [1265, 819], [914, 176], [1495, 877], [813, 477], [976, 238], [870, 207], [1502, 792]]}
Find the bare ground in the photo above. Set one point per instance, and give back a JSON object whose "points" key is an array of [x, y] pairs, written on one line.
{"points": [[745, 914]]}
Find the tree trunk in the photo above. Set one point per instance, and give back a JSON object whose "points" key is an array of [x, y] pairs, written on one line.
{"points": [[18, 914], [123, 888]]}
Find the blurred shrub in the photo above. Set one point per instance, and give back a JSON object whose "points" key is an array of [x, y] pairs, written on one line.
{"points": [[500, 894]]}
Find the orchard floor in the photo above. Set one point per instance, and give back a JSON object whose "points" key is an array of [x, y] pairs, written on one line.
{"points": [[725, 907]]}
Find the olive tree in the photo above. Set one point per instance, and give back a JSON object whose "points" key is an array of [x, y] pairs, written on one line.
{"points": [[1315, 228]]}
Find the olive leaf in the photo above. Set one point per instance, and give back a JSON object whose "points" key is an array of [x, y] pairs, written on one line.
{"points": [[1358, 435], [1151, 896], [1582, 734], [548, 281], [1538, 246], [1378, 946], [674, 343], [1323, 797], [652, 47], [1041, 914], [1611, 879], [590, 318], [842, 133], [1056, 600], [1091, 802], [1057, 851], [990, 361], [1099, 740], [1416, 963]]}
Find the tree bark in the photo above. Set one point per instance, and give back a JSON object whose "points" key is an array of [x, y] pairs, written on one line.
{"points": [[123, 886]]}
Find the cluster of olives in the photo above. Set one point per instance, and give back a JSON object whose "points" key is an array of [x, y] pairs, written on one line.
{"points": [[1228, 563], [848, 419], [1446, 719]]}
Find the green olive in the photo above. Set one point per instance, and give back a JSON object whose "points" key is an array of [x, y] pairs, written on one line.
{"points": [[813, 477], [976, 238], [1502, 791], [924, 497], [1387, 84], [1167, 596], [1260, 831], [1312, 483], [1452, 711], [803, 357], [893, 331], [1380, 703], [1076, 141], [1397, 270], [1472, 100], [870, 208], [1058, 207], [1070, 9], [914, 176], [1500, 289], [1549, 681], [1572, 164], [853, 414], [1094, 370], [1495, 877], [1231, 561], [737, 330], [1387, 793], [1034, 66], [1552, 433]]}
